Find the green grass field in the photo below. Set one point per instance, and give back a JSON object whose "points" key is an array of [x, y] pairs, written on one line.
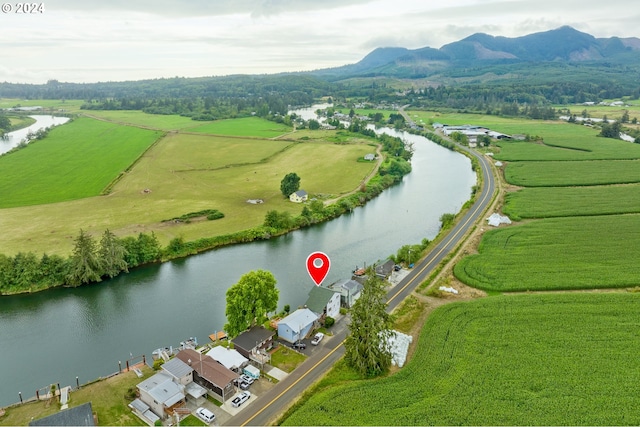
{"points": [[139, 118], [188, 173], [247, 126], [76, 160], [566, 359], [557, 254], [554, 174], [572, 201], [56, 104]]}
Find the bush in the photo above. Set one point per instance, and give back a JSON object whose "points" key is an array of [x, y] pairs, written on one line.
{"points": [[157, 364], [329, 321], [343, 311]]}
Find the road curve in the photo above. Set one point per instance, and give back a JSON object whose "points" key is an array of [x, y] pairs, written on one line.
{"points": [[267, 408]]}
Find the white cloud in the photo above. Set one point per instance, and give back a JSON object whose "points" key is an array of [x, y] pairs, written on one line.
{"points": [[79, 40]]}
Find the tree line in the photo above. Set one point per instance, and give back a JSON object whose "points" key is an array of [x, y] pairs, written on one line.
{"points": [[91, 261]]}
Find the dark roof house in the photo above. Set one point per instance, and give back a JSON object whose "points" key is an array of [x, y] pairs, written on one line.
{"points": [[253, 340], [81, 415], [209, 374]]}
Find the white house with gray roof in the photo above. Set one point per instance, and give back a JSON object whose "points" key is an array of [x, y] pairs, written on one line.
{"points": [[349, 291], [161, 394]]}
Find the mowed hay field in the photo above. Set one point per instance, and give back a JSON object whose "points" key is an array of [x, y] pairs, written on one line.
{"points": [[141, 119], [565, 359], [246, 126], [185, 173], [76, 160]]}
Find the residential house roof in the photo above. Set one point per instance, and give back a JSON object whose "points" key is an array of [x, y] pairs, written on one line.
{"points": [[162, 388], [385, 268], [248, 339], [177, 368], [81, 415], [350, 285], [207, 368], [318, 299], [299, 319], [301, 193], [229, 358]]}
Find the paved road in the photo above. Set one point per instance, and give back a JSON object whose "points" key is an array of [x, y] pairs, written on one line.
{"points": [[268, 407]]}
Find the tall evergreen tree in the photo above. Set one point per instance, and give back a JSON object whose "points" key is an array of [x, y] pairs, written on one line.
{"points": [[112, 254], [85, 266], [366, 346]]}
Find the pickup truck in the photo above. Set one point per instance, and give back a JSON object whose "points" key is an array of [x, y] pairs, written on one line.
{"points": [[240, 399]]}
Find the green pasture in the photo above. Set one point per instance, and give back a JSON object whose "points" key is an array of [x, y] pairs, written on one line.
{"points": [[560, 174], [557, 254], [599, 111], [56, 104], [247, 126], [188, 173], [546, 202], [76, 160], [562, 359], [139, 118]]}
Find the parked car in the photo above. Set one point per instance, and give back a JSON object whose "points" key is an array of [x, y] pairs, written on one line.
{"points": [[299, 345], [317, 338], [247, 378], [205, 415], [240, 399]]}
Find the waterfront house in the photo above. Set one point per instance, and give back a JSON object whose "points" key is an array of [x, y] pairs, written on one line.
{"points": [[324, 302], [229, 358], [209, 374], [350, 291], [161, 394], [384, 270], [81, 415], [299, 196], [297, 325]]}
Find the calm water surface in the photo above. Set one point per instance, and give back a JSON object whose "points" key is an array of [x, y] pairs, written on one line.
{"points": [[56, 335], [42, 121]]}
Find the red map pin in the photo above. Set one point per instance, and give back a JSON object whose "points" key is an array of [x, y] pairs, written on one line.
{"points": [[318, 265]]}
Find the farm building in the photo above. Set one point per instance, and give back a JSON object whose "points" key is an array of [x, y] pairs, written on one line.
{"points": [[299, 196]]}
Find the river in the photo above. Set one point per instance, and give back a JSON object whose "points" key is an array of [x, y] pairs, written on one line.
{"points": [[56, 335], [42, 121]]}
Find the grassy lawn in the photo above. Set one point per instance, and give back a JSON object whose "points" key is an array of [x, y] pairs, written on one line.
{"points": [[56, 104], [247, 126], [556, 254], [192, 420], [76, 160], [139, 118], [570, 173], [572, 201], [564, 359], [107, 399], [189, 173], [286, 359]]}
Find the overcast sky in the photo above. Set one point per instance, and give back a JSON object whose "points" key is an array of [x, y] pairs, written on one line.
{"points": [[114, 40]]}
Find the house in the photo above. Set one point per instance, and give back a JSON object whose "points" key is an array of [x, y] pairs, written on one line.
{"points": [[81, 415], [370, 157], [297, 325], [161, 394], [324, 302], [182, 374], [229, 358], [349, 291], [210, 374], [299, 196], [254, 343], [384, 270]]}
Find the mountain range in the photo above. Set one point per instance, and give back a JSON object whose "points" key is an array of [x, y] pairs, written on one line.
{"points": [[564, 45]]}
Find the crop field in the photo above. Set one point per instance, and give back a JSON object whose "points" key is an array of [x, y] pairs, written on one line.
{"points": [[567, 359], [572, 201], [139, 118], [552, 174], [247, 126], [557, 254], [188, 173], [76, 160]]}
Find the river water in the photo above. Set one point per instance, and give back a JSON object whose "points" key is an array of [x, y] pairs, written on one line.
{"points": [[42, 121], [54, 336]]}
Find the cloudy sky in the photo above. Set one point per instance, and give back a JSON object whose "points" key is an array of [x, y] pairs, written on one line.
{"points": [[112, 40]]}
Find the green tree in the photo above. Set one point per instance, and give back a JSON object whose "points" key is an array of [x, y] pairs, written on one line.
{"points": [[290, 184], [314, 124], [625, 117], [249, 301], [85, 264], [278, 220], [112, 254], [369, 330]]}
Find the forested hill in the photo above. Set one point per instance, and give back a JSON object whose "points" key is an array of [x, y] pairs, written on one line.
{"points": [[547, 56]]}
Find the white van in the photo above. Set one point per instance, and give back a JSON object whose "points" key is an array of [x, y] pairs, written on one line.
{"points": [[206, 415]]}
